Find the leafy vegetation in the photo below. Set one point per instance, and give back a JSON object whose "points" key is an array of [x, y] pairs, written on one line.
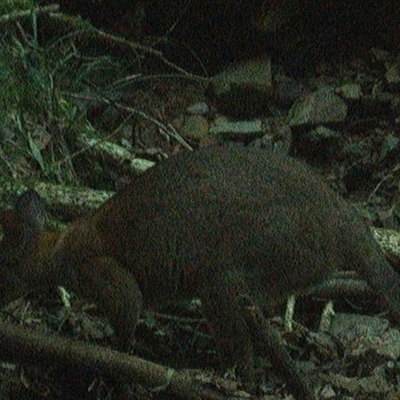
{"points": [[46, 65], [7, 6]]}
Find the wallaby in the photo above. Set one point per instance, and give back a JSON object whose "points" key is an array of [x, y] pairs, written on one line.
{"points": [[232, 226]]}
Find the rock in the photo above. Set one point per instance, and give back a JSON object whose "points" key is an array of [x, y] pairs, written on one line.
{"points": [[244, 90], [241, 130], [320, 107]]}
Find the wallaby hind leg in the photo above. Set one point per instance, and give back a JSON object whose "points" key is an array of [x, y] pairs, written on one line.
{"points": [[239, 324], [272, 346]]}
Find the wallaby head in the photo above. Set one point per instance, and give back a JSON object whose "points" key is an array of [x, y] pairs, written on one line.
{"points": [[25, 249], [33, 259]]}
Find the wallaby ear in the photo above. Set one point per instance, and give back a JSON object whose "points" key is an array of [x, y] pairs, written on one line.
{"points": [[30, 211], [21, 227], [11, 229]]}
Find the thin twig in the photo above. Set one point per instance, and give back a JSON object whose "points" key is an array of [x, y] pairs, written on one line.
{"points": [[16, 15]]}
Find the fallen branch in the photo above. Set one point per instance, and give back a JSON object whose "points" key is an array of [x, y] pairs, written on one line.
{"points": [[21, 346]]}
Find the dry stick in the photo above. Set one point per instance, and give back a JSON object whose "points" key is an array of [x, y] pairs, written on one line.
{"points": [[337, 288], [22, 346], [169, 131]]}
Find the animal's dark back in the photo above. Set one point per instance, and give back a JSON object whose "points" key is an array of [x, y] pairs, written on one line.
{"points": [[234, 208]]}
